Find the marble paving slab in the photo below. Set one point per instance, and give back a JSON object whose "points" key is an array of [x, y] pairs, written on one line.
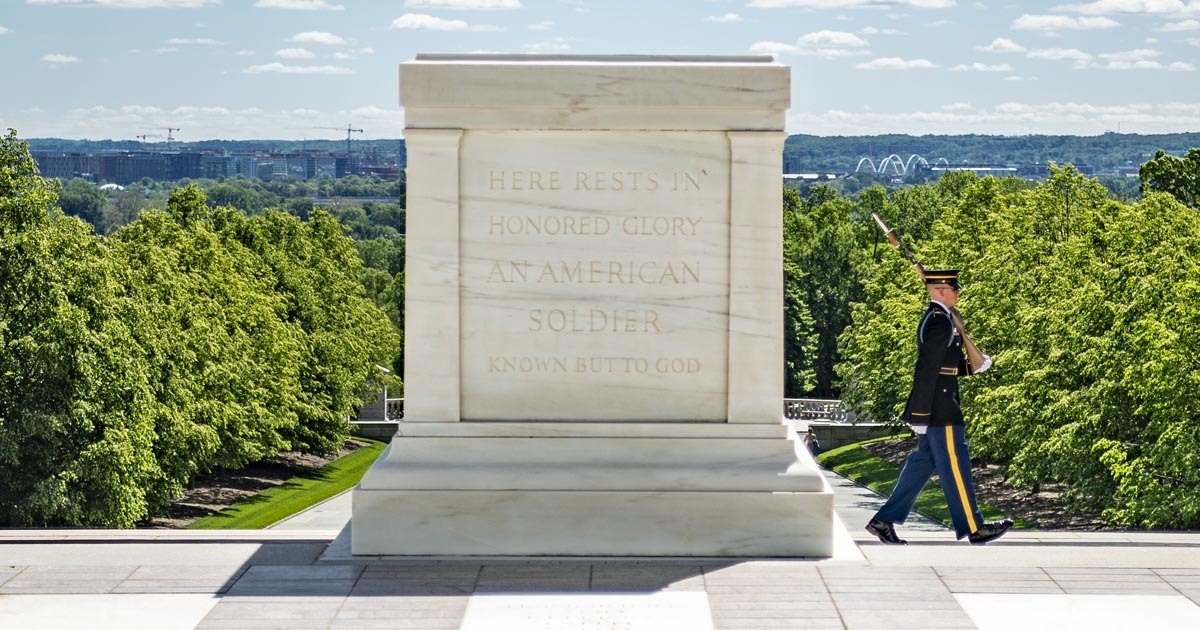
{"points": [[1093, 612], [104, 612], [671, 610]]}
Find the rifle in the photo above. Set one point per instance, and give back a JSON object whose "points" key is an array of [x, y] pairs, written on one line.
{"points": [[974, 356]]}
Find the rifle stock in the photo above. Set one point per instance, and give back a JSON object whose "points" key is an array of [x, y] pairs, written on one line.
{"points": [[974, 355]]}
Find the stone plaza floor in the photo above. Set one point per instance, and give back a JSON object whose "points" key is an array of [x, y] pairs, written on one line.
{"points": [[300, 575]]}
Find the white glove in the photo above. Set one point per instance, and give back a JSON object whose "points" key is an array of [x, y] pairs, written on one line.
{"points": [[987, 363]]}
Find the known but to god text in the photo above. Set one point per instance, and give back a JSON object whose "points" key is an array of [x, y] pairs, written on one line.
{"points": [[593, 365]]}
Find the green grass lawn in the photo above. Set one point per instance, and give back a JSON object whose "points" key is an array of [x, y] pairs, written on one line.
{"points": [[864, 467], [275, 504]]}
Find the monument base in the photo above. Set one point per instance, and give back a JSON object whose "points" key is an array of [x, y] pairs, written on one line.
{"points": [[593, 489]]}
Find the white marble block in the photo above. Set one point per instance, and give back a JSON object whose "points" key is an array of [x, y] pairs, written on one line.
{"points": [[594, 315]]}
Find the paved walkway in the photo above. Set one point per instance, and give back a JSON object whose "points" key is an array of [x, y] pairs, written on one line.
{"points": [[294, 577]]}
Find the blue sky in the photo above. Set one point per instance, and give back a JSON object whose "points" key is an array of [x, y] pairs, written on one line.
{"points": [[243, 69]]}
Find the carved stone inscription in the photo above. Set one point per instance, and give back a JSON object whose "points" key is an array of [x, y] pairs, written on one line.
{"points": [[595, 273]]}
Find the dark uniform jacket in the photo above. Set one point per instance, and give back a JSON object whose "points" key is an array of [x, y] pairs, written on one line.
{"points": [[933, 400]]}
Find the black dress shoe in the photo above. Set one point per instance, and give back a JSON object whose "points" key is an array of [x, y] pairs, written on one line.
{"points": [[886, 532], [990, 531]]}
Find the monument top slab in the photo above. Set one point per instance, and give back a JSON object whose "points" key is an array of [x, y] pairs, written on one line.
{"points": [[664, 92], [540, 59]]}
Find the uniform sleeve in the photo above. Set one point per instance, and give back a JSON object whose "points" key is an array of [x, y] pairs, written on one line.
{"points": [[933, 341]]}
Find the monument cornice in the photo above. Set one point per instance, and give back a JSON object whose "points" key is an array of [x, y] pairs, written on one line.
{"points": [[585, 92]]}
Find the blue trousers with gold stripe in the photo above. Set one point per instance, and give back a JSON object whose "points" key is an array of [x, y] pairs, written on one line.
{"points": [[943, 449]]}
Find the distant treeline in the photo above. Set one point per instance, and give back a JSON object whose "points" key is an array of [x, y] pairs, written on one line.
{"points": [[840, 154], [831, 154], [234, 146]]}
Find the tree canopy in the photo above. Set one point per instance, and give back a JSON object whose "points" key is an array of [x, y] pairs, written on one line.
{"points": [[1089, 309], [191, 338]]}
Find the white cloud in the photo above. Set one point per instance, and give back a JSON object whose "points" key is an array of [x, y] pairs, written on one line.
{"points": [[1001, 45], [318, 37], [1147, 7], [830, 45], [463, 5], [198, 41], [774, 48], [871, 30], [896, 63], [579, 5], [1193, 41], [299, 5], [554, 44], [1080, 58], [4, 31], [211, 121], [421, 21], [1176, 27], [823, 44], [541, 26], [1054, 23], [1174, 66], [957, 107], [129, 4], [353, 54], [728, 17], [371, 111], [165, 50], [831, 38], [59, 58], [295, 53], [1131, 55], [283, 69], [1141, 59], [1005, 119], [982, 67], [851, 4], [245, 52]]}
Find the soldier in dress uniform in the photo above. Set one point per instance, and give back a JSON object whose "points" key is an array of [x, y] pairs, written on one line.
{"points": [[934, 414]]}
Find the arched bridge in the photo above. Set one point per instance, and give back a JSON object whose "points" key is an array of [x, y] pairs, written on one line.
{"points": [[899, 166]]}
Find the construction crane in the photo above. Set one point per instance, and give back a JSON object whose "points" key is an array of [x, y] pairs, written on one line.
{"points": [[143, 136], [170, 138], [349, 130]]}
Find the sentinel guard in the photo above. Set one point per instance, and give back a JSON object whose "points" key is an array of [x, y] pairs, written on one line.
{"points": [[933, 412]]}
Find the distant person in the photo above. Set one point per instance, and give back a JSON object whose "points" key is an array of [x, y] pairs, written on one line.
{"points": [[934, 414], [812, 443]]}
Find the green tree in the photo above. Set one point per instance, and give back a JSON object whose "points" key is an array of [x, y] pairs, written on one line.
{"points": [[1179, 176], [1088, 308], [384, 254], [83, 199], [799, 340], [826, 247], [75, 447], [123, 209], [190, 339], [315, 270]]}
